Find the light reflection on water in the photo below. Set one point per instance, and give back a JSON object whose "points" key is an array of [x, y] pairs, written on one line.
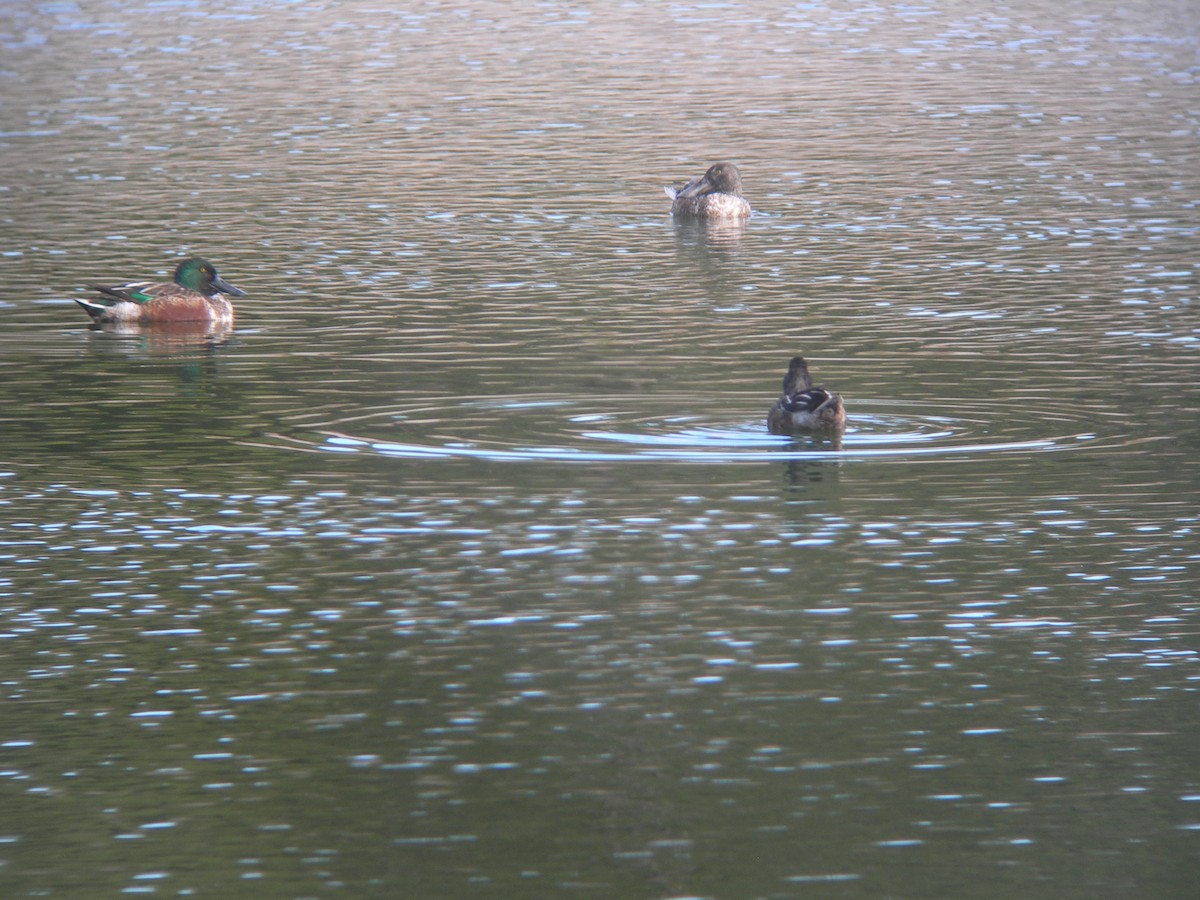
{"points": [[309, 621], [423, 655]]}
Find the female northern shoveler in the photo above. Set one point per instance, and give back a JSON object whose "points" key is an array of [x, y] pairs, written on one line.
{"points": [[804, 407], [717, 194], [196, 294]]}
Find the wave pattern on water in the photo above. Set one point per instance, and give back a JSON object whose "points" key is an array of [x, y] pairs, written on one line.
{"points": [[563, 429], [385, 662]]}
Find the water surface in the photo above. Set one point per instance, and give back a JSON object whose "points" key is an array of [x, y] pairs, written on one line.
{"points": [[464, 564]]}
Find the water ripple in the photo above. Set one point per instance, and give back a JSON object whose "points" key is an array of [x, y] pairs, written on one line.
{"points": [[570, 429]]}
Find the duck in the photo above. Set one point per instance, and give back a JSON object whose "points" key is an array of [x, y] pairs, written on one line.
{"points": [[717, 194], [803, 406], [196, 293]]}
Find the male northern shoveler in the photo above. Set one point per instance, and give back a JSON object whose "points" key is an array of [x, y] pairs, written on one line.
{"points": [[196, 294], [717, 194], [804, 407]]}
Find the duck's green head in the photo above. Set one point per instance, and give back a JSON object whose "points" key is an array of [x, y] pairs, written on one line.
{"points": [[197, 274]]}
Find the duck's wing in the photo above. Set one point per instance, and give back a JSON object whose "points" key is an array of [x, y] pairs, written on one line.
{"points": [[132, 292]]}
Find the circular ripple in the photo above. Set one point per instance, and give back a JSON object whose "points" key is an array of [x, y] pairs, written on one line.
{"points": [[611, 429]]}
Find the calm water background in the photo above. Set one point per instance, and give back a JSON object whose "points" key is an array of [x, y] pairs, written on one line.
{"points": [[464, 566]]}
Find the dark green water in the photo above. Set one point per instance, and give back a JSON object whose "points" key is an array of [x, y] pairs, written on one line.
{"points": [[464, 565]]}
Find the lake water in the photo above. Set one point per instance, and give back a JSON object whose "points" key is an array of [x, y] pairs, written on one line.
{"points": [[464, 566]]}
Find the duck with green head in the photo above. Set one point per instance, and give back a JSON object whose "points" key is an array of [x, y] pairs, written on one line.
{"points": [[717, 194], [196, 293], [805, 406]]}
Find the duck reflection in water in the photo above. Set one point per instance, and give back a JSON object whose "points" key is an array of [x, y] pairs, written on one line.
{"points": [[715, 240], [178, 339], [716, 195], [806, 408]]}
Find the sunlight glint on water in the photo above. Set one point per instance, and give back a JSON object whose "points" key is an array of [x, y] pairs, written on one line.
{"points": [[465, 564]]}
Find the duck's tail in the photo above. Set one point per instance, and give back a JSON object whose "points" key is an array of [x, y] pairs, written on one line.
{"points": [[93, 309]]}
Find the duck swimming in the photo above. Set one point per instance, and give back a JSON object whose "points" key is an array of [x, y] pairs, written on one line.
{"points": [[717, 194], [804, 407], [196, 293]]}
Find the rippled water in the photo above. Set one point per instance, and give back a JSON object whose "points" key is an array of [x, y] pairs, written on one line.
{"points": [[464, 562]]}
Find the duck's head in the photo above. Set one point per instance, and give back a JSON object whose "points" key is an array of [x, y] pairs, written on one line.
{"points": [[197, 274], [797, 379], [721, 178]]}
